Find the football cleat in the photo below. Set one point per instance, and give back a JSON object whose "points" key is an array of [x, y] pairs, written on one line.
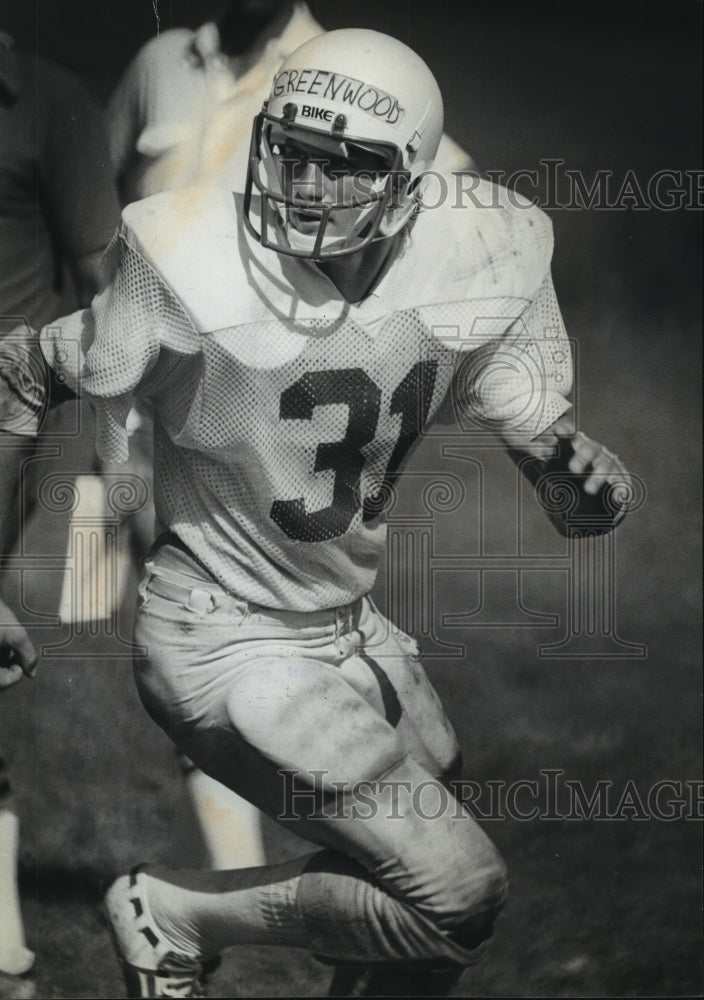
{"points": [[149, 966]]}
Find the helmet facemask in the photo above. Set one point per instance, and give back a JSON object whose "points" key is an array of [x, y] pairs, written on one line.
{"points": [[322, 195]]}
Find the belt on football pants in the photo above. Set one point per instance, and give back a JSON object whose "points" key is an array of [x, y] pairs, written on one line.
{"points": [[204, 597], [200, 599]]}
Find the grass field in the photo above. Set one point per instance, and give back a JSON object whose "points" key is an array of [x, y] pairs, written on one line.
{"points": [[599, 907]]}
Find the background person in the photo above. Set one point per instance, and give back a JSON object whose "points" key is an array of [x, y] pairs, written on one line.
{"points": [[180, 115], [58, 210]]}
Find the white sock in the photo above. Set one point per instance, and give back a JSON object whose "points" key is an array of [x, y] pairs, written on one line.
{"points": [[15, 957], [202, 912]]}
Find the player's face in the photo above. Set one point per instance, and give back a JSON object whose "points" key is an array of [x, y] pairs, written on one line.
{"points": [[318, 176]]}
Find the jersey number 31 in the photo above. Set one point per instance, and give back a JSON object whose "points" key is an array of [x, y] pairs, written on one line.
{"points": [[353, 387]]}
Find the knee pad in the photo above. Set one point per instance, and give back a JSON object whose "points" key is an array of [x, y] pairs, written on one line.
{"points": [[477, 926], [350, 918]]}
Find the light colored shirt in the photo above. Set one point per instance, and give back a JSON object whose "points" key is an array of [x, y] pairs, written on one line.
{"points": [[182, 113]]}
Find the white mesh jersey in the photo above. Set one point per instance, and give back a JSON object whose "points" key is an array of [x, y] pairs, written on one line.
{"points": [[280, 408]]}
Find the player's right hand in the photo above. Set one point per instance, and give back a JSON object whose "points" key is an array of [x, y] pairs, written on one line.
{"points": [[18, 657]]}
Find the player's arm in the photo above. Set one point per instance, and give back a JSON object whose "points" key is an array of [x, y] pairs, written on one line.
{"points": [[104, 353], [579, 482], [519, 386], [25, 394]]}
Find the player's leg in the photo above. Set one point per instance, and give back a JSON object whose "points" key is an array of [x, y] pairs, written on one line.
{"points": [[445, 881], [394, 660], [15, 958], [229, 825], [390, 888]]}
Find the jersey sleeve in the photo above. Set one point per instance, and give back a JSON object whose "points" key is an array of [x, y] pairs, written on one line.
{"points": [[108, 352], [519, 381]]}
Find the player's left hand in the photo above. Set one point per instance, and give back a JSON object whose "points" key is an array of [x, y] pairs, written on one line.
{"points": [[599, 464], [564, 455], [18, 658], [592, 460], [580, 455]]}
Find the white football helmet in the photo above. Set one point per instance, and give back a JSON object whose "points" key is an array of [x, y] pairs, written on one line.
{"points": [[367, 113]]}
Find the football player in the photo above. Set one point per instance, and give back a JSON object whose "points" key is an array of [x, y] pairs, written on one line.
{"points": [[182, 115], [295, 342]]}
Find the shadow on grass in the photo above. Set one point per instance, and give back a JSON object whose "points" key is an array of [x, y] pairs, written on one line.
{"points": [[61, 883]]}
